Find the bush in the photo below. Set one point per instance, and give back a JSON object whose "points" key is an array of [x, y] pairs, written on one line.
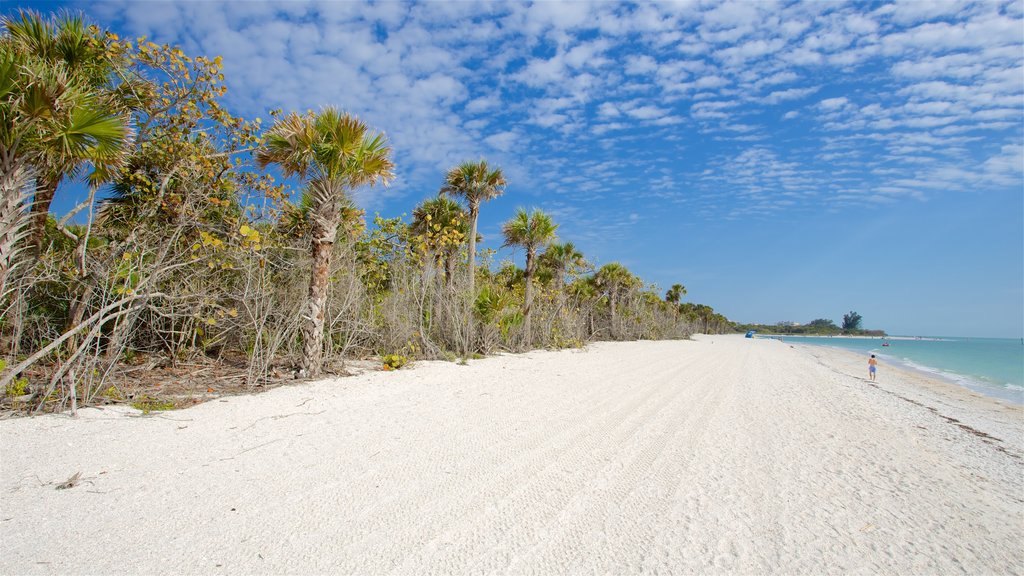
{"points": [[147, 406], [394, 361]]}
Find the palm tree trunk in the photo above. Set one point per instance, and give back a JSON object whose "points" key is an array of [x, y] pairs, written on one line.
{"points": [[47, 188], [611, 303], [559, 287], [14, 188], [313, 329], [474, 212], [528, 299], [449, 268]]}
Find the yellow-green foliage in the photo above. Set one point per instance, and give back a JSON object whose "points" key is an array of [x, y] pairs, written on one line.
{"points": [[16, 388], [394, 361], [112, 393], [147, 406]]}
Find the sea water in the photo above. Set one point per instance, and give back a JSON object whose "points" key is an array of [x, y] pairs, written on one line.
{"points": [[992, 366]]}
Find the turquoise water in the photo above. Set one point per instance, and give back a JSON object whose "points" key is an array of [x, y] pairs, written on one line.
{"points": [[992, 366]]}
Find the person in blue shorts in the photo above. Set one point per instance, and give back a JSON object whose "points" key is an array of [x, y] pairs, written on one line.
{"points": [[872, 367]]}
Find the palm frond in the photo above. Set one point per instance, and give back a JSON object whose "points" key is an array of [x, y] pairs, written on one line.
{"points": [[529, 230], [475, 182], [15, 191], [333, 152], [31, 32], [289, 144]]}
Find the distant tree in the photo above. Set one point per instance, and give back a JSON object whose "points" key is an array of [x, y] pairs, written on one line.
{"points": [[675, 294], [823, 323], [531, 231], [851, 321], [333, 153], [476, 182], [56, 91], [612, 281], [443, 226], [559, 260]]}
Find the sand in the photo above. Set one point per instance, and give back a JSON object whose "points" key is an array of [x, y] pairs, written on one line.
{"points": [[719, 455]]}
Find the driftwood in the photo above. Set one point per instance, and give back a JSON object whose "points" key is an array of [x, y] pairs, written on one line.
{"points": [[70, 482]]}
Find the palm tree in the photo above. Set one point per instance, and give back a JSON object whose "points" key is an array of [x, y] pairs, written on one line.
{"points": [[477, 183], [47, 119], [675, 294], [295, 221], [91, 126], [561, 259], [333, 153], [704, 314], [613, 280], [15, 193], [442, 223], [530, 231]]}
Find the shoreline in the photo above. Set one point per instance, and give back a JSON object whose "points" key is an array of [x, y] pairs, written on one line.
{"points": [[852, 337], [719, 454], [1008, 392], [921, 386]]}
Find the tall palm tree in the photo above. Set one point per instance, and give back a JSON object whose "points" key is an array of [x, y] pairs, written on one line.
{"points": [[295, 221], [15, 193], [531, 232], [48, 118], [674, 294], [443, 224], [561, 259], [476, 182], [80, 72], [613, 280], [333, 153]]}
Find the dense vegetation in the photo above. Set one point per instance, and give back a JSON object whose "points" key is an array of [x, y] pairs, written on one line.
{"points": [[819, 327], [187, 250]]}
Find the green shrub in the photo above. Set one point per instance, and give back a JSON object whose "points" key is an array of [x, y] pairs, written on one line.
{"points": [[112, 393], [394, 361], [19, 387], [148, 405]]}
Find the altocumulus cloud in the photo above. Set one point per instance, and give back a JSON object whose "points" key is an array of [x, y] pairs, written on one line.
{"points": [[592, 101]]}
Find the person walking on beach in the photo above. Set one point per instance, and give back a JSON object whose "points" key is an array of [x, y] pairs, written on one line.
{"points": [[872, 367]]}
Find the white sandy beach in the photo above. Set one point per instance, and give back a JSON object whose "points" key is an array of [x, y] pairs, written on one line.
{"points": [[719, 455]]}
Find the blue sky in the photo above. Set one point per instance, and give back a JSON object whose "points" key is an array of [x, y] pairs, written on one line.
{"points": [[784, 161]]}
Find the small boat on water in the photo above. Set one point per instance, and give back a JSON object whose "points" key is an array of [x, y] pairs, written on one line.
{"points": [[885, 343]]}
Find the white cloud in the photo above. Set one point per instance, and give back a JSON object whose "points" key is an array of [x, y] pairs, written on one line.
{"points": [[751, 50], [915, 11], [833, 103], [483, 104], [642, 64], [646, 112], [504, 141], [548, 120], [608, 110], [931, 88], [789, 94]]}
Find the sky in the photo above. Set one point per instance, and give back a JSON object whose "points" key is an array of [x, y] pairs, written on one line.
{"points": [[785, 161]]}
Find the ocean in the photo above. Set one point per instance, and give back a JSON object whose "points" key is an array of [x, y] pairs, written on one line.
{"points": [[991, 366]]}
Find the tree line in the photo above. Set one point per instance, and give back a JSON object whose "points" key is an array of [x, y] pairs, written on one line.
{"points": [[819, 327], [186, 247]]}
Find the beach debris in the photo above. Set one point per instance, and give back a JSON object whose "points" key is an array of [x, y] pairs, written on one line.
{"points": [[70, 482]]}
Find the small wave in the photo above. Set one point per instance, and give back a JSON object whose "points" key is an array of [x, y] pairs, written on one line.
{"points": [[1003, 390]]}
